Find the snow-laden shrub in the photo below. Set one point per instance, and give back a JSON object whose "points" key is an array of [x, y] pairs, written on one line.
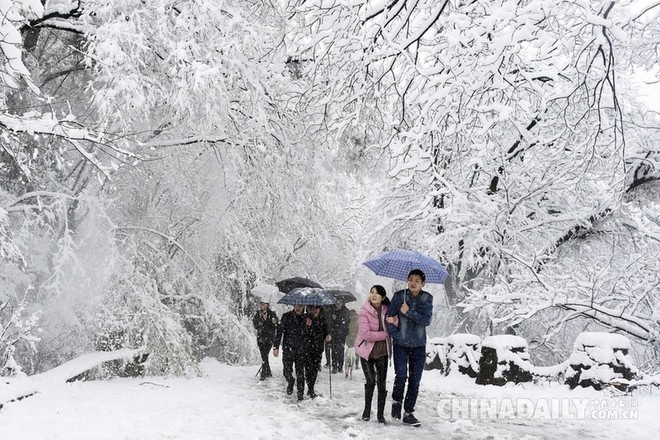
{"points": [[600, 360], [135, 316], [463, 354]]}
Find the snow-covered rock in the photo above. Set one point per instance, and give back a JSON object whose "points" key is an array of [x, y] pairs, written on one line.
{"points": [[504, 358], [436, 354], [463, 354], [600, 360]]}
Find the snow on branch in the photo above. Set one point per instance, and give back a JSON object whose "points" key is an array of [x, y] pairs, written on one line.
{"points": [[20, 388], [69, 370], [185, 141], [614, 319], [66, 129]]}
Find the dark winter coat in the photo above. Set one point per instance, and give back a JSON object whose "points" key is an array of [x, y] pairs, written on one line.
{"points": [[316, 334], [266, 329], [291, 333], [338, 322]]}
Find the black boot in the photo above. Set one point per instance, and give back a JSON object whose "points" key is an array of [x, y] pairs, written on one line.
{"points": [[382, 395], [368, 396]]}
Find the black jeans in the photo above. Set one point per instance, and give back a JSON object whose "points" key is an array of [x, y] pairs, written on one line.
{"points": [[408, 365]]}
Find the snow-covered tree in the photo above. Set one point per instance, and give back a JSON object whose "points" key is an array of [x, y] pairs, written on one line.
{"points": [[171, 170], [510, 130]]}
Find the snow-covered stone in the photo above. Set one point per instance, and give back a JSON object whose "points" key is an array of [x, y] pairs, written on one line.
{"points": [[600, 360], [504, 358], [463, 354], [436, 354]]}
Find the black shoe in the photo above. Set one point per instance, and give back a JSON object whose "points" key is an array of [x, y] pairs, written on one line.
{"points": [[381, 419], [312, 394], [300, 396], [396, 410], [366, 415], [409, 419], [289, 387]]}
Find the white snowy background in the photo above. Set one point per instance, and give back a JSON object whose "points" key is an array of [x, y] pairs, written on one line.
{"points": [[161, 158]]}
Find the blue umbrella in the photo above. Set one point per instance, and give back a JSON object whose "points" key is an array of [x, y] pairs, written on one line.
{"points": [[397, 263], [308, 296]]}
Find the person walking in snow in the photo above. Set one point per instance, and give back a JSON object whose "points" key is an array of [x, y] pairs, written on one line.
{"points": [[316, 335], [338, 321], [292, 334], [408, 315], [372, 345], [265, 323]]}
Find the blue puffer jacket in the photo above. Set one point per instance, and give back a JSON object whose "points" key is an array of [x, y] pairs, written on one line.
{"points": [[411, 329]]}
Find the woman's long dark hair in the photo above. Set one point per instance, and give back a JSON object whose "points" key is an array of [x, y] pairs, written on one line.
{"points": [[382, 292]]}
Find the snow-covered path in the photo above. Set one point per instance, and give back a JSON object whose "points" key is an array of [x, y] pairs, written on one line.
{"points": [[229, 402]]}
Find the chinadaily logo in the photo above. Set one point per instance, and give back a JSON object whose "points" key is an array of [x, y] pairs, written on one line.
{"points": [[542, 408]]}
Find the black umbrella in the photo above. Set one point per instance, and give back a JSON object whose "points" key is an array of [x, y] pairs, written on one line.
{"points": [[308, 296], [292, 283], [343, 295]]}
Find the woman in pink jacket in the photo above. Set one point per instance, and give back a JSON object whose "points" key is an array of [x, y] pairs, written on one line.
{"points": [[373, 346]]}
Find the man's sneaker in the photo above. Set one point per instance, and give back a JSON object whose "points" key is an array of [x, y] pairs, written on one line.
{"points": [[289, 387], [409, 419], [396, 410]]}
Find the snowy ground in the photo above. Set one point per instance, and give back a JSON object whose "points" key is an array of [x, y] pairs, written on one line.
{"points": [[229, 402]]}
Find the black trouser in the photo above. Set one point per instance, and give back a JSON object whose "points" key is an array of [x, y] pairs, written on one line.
{"points": [[264, 350], [312, 370], [297, 359], [337, 347], [375, 372]]}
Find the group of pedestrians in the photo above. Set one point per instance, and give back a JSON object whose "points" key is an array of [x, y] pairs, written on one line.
{"points": [[302, 335], [386, 329]]}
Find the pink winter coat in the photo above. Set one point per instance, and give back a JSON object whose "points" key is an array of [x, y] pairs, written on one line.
{"points": [[368, 332]]}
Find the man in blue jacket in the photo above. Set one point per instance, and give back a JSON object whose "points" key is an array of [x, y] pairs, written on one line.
{"points": [[408, 316]]}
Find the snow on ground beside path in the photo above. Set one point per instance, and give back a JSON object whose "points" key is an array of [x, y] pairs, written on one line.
{"points": [[229, 402]]}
